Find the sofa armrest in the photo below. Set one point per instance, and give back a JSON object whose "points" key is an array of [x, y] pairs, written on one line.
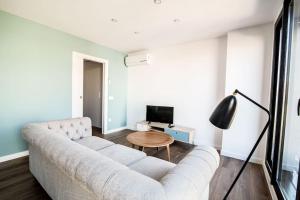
{"points": [[33, 133], [191, 176]]}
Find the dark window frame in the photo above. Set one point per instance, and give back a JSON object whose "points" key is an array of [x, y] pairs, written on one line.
{"points": [[285, 24], [274, 81]]}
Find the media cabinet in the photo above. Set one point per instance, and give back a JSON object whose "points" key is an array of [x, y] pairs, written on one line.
{"points": [[179, 133]]}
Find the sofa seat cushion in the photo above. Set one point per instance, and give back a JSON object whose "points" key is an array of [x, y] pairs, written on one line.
{"points": [[94, 143], [122, 154], [152, 167]]}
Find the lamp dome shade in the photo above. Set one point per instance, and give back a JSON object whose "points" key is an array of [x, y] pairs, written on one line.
{"points": [[224, 113]]}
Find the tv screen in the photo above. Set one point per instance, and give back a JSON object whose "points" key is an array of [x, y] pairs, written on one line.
{"points": [[160, 114]]}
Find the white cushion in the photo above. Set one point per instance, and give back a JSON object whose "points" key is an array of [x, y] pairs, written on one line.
{"points": [[152, 167], [94, 143], [122, 154]]}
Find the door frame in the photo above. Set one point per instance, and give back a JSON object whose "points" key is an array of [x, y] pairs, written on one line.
{"points": [[77, 85]]}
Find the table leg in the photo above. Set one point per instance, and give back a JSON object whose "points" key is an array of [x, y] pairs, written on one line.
{"points": [[133, 146], [168, 150], [157, 148]]}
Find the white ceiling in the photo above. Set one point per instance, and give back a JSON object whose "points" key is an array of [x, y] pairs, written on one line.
{"points": [[91, 19]]}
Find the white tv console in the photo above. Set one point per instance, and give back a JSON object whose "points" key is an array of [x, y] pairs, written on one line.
{"points": [[180, 133]]}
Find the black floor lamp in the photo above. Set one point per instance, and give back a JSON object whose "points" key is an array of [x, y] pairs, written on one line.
{"points": [[222, 118]]}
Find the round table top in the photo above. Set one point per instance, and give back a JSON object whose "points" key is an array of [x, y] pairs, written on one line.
{"points": [[150, 139]]}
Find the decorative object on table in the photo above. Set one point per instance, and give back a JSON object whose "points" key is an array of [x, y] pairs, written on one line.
{"points": [[151, 139], [222, 118]]}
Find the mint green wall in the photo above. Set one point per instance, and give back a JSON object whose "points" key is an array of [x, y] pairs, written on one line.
{"points": [[35, 77]]}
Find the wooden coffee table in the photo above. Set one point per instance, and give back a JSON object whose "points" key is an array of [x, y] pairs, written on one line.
{"points": [[150, 139]]}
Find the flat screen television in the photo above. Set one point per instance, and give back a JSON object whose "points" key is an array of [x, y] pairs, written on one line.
{"points": [[162, 114]]}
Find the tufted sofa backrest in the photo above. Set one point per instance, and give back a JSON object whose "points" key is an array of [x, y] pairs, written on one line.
{"points": [[74, 129]]}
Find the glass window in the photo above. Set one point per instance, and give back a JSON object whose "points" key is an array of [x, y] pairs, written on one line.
{"points": [[289, 165]]}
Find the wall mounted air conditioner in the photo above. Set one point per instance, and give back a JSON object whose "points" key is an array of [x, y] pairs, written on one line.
{"points": [[137, 59]]}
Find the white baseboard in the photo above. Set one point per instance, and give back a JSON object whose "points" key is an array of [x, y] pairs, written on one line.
{"points": [[14, 156], [115, 130], [241, 157], [271, 188]]}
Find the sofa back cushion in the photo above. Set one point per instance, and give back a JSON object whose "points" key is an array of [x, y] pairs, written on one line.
{"points": [[74, 129]]}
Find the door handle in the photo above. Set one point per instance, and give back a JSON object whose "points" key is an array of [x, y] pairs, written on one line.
{"points": [[298, 109]]}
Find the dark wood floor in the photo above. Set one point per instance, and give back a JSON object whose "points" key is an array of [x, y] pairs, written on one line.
{"points": [[16, 182]]}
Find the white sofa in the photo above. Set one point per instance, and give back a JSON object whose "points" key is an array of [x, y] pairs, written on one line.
{"points": [[70, 163]]}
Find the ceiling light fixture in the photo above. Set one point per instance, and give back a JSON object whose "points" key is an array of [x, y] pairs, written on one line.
{"points": [[157, 1], [176, 20], [136, 32], [114, 20]]}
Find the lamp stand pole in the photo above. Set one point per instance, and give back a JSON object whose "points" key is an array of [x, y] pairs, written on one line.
{"points": [[256, 144]]}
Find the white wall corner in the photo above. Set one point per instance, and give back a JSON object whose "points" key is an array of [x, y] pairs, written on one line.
{"points": [[14, 156], [248, 50]]}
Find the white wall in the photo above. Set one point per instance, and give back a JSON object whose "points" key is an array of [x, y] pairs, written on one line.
{"points": [[194, 77], [248, 68], [189, 77]]}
